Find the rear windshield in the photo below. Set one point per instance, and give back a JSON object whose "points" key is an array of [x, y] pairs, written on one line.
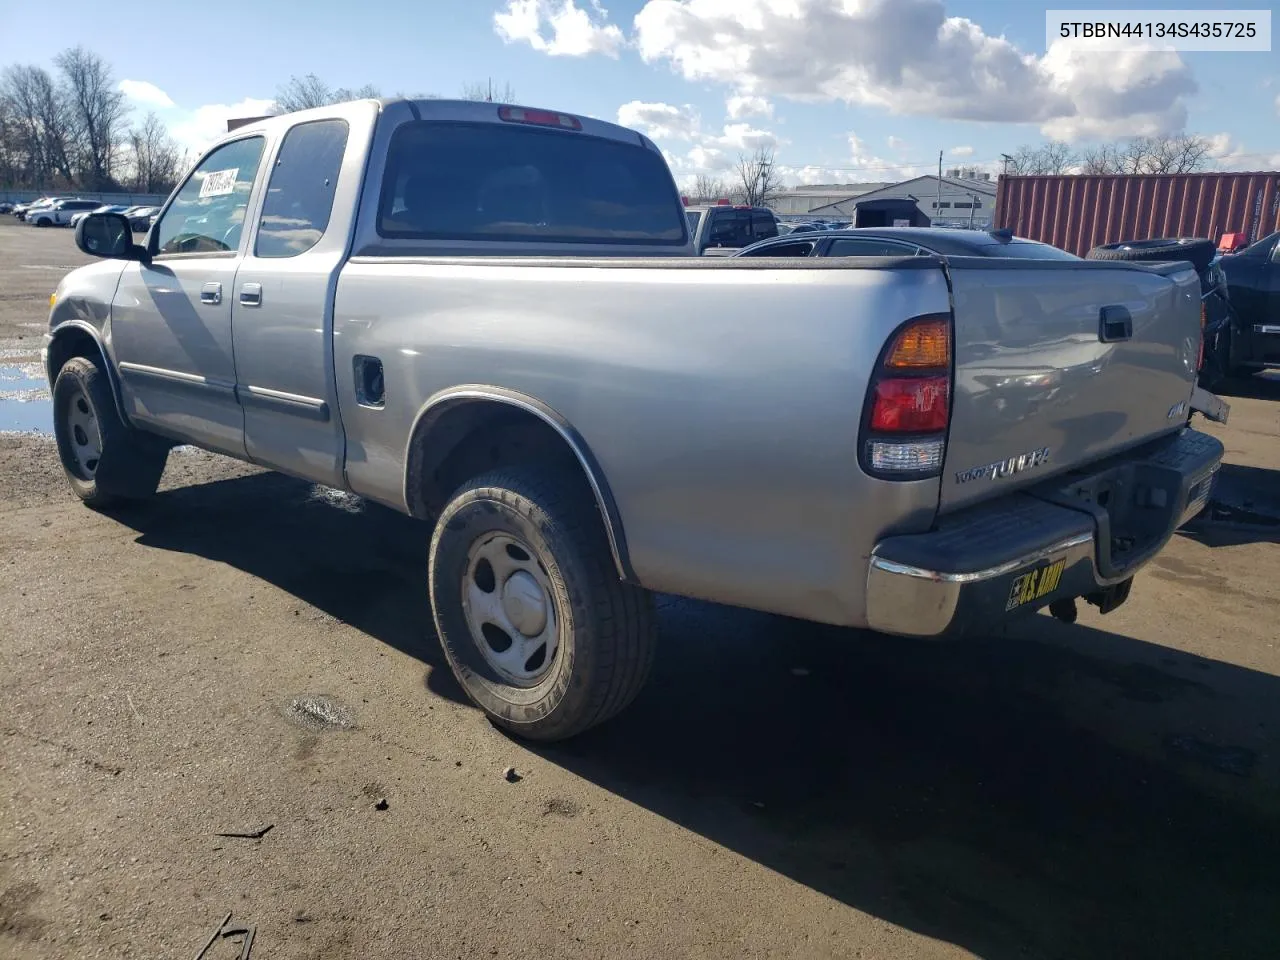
{"points": [[694, 216], [1025, 250], [490, 181]]}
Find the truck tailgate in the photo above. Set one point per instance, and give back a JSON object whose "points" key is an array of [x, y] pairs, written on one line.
{"points": [[1060, 363]]}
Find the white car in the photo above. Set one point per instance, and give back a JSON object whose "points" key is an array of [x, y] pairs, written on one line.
{"points": [[59, 213], [105, 208]]}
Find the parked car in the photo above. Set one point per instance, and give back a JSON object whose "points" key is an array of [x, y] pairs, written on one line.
{"points": [[141, 218], [22, 209], [1252, 341], [104, 208], [6, 206], [480, 315], [721, 229], [60, 212], [904, 242]]}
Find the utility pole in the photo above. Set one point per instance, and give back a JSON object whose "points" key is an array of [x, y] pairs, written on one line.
{"points": [[937, 204], [1007, 160]]}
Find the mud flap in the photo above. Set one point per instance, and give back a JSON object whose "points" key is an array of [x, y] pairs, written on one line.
{"points": [[1211, 406]]}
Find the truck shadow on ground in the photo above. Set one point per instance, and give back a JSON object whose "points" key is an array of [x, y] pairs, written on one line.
{"points": [[1050, 793], [358, 562]]}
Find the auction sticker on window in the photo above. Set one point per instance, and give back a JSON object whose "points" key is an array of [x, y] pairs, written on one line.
{"points": [[219, 183], [1038, 583]]}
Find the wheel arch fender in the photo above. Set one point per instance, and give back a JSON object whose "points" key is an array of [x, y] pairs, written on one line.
{"points": [[454, 415], [75, 338]]}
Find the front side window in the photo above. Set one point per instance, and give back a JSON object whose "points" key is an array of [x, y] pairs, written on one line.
{"points": [[517, 182], [299, 197], [207, 215], [798, 249]]}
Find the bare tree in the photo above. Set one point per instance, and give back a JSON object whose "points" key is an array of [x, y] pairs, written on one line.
{"points": [[758, 180], [43, 128], [1100, 159], [97, 110], [1178, 153], [485, 90], [367, 92], [309, 91], [303, 93], [157, 160], [1054, 157], [708, 189]]}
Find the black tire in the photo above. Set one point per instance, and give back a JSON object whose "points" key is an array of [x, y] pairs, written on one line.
{"points": [[605, 628], [1195, 249], [44, 222], [129, 463]]}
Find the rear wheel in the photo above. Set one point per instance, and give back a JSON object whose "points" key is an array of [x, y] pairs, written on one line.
{"points": [[539, 630], [104, 459]]}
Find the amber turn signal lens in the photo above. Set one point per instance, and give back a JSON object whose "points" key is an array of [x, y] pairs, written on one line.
{"points": [[925, 343]]}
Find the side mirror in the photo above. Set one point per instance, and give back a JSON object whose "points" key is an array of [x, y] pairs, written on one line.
{"points": [[108, 235]]}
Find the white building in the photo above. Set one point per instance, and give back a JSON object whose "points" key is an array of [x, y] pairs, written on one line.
{"points": [[921, 202], [798, 201]]}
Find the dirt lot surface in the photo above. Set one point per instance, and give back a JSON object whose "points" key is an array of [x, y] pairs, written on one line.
{"points": [[1109, 789]]}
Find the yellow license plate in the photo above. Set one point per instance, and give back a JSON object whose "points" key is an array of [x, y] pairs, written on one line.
{"points": [[1038, 583]]}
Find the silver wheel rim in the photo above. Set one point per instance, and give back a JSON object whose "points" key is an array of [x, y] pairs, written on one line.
{"points": [[507, 601], [83, 434]]}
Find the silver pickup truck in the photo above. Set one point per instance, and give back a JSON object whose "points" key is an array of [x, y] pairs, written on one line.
{"points": [[491, 318]]}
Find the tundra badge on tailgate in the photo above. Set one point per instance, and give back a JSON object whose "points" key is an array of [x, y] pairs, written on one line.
{"points": [[1005, 468]]}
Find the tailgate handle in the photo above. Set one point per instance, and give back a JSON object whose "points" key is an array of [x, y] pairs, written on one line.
{"points": [[1115, 323]]}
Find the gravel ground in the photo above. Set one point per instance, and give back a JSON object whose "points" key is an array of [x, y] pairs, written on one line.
{"points": [[1110, 789]]}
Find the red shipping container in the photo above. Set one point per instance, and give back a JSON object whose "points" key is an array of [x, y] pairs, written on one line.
{"points": [[1078, 213]]}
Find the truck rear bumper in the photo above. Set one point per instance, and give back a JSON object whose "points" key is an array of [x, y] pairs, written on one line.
{"points": [[1019, 553]]}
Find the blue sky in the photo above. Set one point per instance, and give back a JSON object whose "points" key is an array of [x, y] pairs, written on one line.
{"points": [[843, 89]]}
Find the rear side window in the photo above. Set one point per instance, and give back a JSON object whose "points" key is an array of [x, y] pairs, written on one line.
{"points": [[730, 228], [1025, 250], [763, 226], [300, 193], [871, 247], [498, 181]]}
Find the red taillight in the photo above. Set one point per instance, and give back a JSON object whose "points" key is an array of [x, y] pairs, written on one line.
{"points": [[541, 118], [911, 405], [909, 402]]}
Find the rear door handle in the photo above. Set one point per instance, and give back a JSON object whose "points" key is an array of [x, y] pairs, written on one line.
{"points": [[211, 293], [251, 294], [1115, 323]]}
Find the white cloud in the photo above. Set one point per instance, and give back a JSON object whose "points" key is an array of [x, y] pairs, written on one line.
{"points": [[961, 151], [742, 136], [1227, 153], [1122, 93], [896, 143], [739, 106], [145, 92], [202, 126], [662, 121], [907, 56], [559, 28], [711, 152]]}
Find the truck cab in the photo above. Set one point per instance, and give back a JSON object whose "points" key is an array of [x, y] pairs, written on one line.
{"points": [[721, 229]]}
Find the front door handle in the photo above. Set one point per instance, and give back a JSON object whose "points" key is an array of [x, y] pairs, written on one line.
{"points": [[211, 293], [1115, 323], [251, 294]]}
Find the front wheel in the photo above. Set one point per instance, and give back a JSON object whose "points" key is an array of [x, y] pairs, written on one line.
{"points": [[536, 625], [104, 459]]}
